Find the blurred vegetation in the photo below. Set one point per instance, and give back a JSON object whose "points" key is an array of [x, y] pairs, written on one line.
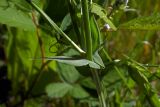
{"points": [[126, 58]]}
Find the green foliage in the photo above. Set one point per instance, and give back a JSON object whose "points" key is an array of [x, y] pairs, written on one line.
{"points": [[16, 18], [74, 61], [60, 53], [58, 90], [68, 73], [78, 92]]}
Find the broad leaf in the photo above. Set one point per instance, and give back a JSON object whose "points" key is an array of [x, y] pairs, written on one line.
{"points": [[45, 79], [58, 90], [68, 72], [98, 10], [16, 18], [143, 23]]}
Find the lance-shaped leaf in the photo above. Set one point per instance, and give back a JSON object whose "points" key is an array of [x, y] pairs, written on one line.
{"points": [[73, 61]]}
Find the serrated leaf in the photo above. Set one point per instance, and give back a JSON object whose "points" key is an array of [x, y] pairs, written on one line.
{"points": [[98, 10], [58, 90], [78, 92], [16, 18], [73, 61], [143, 23]]}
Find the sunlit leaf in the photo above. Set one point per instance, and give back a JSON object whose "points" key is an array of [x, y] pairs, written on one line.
{"points": [[16, 18]]}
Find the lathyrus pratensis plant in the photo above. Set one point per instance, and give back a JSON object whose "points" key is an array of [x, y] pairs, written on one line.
{"points": [[84, 15]]}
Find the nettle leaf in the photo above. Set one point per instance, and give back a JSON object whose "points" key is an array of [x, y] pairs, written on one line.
{"points": [[99, 11], [16, 18], [78, 92], [143, 23], [58, 90], [74, 61]]}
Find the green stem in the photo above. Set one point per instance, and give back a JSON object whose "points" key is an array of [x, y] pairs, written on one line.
{"points": [[87, 28], [99, 88], [87, 32], [53, 24]]}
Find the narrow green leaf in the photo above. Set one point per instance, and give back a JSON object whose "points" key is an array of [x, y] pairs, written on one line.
{"points": [[73, 61], [94, 33], [58, 90], [143, 23]]}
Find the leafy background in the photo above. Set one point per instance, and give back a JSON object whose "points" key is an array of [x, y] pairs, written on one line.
{"points": [[32, 82]]}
